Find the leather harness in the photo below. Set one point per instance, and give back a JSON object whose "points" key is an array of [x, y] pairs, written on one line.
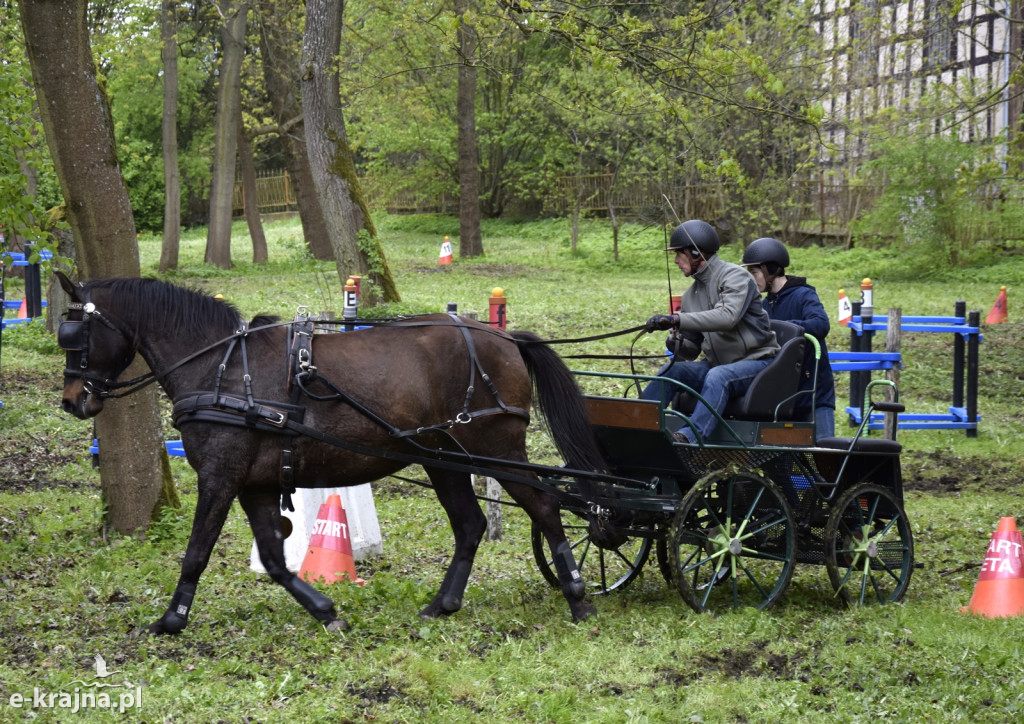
{"points": [[287, 418]]}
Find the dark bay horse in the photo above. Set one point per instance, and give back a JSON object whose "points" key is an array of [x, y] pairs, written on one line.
{"points": [[262, 409]]}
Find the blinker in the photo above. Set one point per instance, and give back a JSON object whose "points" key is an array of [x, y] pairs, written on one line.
{"points": [[71, 336]]}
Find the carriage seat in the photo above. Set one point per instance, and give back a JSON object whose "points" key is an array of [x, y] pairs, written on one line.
{"points": [[777, 383]]}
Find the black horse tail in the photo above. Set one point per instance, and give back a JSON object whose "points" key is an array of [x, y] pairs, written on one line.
{"points": [[561, 403]]}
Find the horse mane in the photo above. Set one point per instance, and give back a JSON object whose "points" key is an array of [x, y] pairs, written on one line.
{"points": [[178, 310]]}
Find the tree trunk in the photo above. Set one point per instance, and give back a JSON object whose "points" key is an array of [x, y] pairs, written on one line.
{"points": [[79, 133], [330, 157], [1015, 99], [470, 241], [172, 174], [281, 66], [229, 110], [250, 200]]}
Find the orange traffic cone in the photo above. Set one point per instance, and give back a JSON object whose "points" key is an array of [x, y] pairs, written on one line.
{"points": [[845, 308], [329, 557], [446, 252], [998, 313], [1000, 589], [23, 309]]}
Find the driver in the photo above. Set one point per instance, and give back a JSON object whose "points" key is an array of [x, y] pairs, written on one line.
{"points": [[722, 309]]}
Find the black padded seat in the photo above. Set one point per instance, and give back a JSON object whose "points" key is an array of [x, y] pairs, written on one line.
{"points": [[776, 382], [864, 444]]}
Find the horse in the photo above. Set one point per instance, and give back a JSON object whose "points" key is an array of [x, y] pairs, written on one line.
{"points": [[267, 406]]}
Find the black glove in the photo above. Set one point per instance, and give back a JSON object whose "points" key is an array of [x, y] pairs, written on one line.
{"points": [[660, 321]]}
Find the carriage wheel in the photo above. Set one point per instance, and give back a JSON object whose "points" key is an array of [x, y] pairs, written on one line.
{"points": [[869, 549], [603, 569], [732, 543]]}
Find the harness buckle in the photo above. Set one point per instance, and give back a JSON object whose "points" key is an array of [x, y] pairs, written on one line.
{"points": [[463, 417]]}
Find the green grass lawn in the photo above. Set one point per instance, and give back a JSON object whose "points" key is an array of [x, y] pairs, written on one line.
{"points": [[250, 653]]}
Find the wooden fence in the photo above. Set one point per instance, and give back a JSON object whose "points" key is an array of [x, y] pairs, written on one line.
{"points": [[817, 210]]}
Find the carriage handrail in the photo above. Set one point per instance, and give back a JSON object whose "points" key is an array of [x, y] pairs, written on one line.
{"points": [[673, 413]]}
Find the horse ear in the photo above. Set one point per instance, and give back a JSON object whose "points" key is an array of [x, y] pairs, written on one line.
{"points": [[66, 283]]}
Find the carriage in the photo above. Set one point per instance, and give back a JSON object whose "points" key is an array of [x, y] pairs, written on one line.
{"points": [[266, 406], [730, 518]]}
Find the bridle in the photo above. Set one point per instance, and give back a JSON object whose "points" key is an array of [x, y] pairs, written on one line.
{"points": [[73, 336]]}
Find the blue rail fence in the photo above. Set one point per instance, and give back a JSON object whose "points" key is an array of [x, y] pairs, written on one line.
{"points": [[34, 302], [861, 361]]}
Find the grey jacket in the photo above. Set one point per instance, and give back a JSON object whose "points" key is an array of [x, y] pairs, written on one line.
{"points": [[723, 302]]}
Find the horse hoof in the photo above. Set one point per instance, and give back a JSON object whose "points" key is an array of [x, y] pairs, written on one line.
{"points": [[434, 610], [338, 624], [154, 629], [141, 632], [585, 611]]}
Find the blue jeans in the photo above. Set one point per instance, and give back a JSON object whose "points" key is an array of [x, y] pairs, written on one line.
{"points": [[825, 421], [717, 385]]}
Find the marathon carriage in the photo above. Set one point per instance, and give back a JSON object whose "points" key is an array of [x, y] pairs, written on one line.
{"points": [[730, 518], [267, 406]]}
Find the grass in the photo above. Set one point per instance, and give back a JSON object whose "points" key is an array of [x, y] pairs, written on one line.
{"points": [[251, 654]]}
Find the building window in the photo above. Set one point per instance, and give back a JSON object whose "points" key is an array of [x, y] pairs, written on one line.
{"points": [[939, 33]]}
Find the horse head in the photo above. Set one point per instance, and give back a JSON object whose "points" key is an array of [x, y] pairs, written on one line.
{"points": [[97, 351]]}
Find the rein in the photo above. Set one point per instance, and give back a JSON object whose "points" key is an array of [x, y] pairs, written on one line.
{"points": [[286, 419], [112, 389]]}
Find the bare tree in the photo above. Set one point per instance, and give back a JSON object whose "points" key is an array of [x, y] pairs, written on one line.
{"points": [[229, 112], [79, 133], [470, 240], [172, 174], [250, 200], [280, 40], [330, 156]]}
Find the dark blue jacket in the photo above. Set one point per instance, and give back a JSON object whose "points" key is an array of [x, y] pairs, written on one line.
{"points": [[798, 302]]}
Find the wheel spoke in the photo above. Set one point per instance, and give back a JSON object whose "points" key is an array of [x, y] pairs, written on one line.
{"points": [[732, 528], [604, 569], [874, 555]]}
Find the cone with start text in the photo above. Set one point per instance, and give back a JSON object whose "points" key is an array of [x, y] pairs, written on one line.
{"points": [[1000, 589], [445, 257], [329, 556], [845, 308], [998, 313]]}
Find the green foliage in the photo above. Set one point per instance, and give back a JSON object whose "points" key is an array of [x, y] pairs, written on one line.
{"points": [[565, 91], [136, 96], [942, 200], [32, 337], [22, 149]]}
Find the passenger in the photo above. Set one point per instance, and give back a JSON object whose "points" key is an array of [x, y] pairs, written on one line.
{"points": [[719, 315], [792, 299]]}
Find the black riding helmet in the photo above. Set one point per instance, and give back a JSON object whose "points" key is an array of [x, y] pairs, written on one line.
{"points": [[766, 250], [694, 233]]}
